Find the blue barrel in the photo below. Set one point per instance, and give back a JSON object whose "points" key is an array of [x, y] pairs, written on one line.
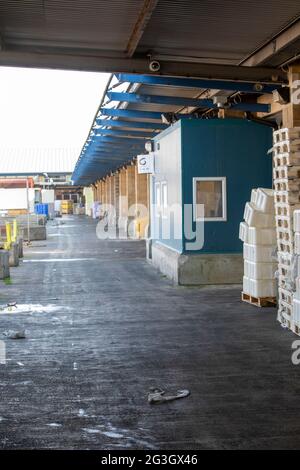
{"points": [[41, 209]]}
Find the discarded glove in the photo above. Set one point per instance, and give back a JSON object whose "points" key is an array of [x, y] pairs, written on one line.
{"points": [[157, 395]]}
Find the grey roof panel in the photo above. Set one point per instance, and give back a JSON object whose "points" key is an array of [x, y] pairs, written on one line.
{"points": [[18, 161]]}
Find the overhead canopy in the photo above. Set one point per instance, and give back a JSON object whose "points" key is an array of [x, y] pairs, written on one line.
{"points": [[118, 35], [235, 41], [135, 108]]}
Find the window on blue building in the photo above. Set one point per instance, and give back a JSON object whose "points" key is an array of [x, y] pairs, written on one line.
{"points": [[210, 192]]}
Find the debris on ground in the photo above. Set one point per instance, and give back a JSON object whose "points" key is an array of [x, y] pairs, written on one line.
{"points": [[9, 307], [11, 304], [15, 334], [157, 395]]}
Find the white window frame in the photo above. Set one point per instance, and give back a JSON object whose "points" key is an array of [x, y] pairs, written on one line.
{"points": [[224, 198]]}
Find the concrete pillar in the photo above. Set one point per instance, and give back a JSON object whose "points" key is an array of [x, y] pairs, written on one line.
{"points": [[4, 264], [101, 191], [291, 111], [14, 254], [130, 182], [107, 199], [123, 200], [142, 204], [20, 243], [112, 190], [117, 196], [94, 192]]}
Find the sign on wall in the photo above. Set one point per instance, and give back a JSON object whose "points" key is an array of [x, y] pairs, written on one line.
{"points": [[145, 163]]}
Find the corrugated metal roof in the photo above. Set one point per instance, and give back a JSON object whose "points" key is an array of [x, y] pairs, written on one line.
{"points": [[30, 161], [218, 29], [100, 24], [226, 31]]}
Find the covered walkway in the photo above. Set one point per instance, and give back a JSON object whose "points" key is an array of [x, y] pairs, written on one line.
{"points": [[110, 329]]}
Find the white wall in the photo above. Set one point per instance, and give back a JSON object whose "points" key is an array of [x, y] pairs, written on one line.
{"points": [[48, 196], [16, 198], [168, 170]]}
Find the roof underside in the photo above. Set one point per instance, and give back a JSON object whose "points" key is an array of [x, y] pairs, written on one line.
{"points": [[222, 31], [242, 41]]}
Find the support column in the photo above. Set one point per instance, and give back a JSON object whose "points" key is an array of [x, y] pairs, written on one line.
{"points": [[142, 203], [117, 196], [291, 111], [130, 183], [107, 194], [123, 201]]}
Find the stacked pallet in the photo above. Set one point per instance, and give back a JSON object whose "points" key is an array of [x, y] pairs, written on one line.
{"points": [[286, 176], [259, 236]]}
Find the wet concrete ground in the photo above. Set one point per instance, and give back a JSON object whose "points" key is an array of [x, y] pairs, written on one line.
{"points": [[110, 327]]}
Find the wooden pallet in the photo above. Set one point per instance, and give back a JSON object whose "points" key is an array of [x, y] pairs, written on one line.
{"points": [[259, 301]]}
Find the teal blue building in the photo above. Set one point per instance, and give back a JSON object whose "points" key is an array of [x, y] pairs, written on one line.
{"points": [[214, 163]]}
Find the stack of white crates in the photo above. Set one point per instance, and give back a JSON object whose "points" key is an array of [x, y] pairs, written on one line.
{"points": [[286, 176], [258, 233], [296, 293]]}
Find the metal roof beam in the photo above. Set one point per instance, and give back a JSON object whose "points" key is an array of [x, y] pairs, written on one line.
{"points": [[182, 101], [132, 113], [247, 87], [121, 140], [98, 63], [137, 124], [118, 150], [276, 46], [117, 145], [140, 25], [121, 133]]}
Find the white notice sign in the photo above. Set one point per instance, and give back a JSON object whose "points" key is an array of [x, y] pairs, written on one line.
{"points": [[145, 163]]}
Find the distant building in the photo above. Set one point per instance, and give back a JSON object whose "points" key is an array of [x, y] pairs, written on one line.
{"points": [[45, 168]]}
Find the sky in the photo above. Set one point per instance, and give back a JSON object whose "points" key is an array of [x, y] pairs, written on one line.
{"points": [[47, 108]]}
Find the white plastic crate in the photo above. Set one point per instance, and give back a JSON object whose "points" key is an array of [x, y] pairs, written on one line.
{"points": [[253, 196], [286, 134], [286, 172], [261, 236], [296, 225], [265, 200], [296, 311], [259, 270], [287, 197], [284, 184], [285, 309], [243, 232], [297, 243], [286, 209], [259, 288], [285, 146], [256, 218], [259, 253], [285, 295], [287, 159]]}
